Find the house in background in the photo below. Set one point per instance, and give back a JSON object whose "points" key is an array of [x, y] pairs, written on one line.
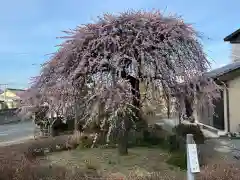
{"points": [[225, 117], [234, 39], [10, 98]]}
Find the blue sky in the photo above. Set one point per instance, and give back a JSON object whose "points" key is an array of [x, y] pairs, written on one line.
{"points": [[29, 28]]}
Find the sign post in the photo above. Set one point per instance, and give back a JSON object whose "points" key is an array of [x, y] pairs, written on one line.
{"points": [[192, 158]]}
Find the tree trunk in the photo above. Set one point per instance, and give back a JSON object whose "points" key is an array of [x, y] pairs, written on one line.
{"points": [[123, 142], [168, 106], [135, 91], [76, 117], [123, 133], [135, 85]]}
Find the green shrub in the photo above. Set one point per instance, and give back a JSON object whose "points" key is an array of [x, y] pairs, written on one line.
{"points": [[183, 129], [153, 135], [150, 138], [173, 143], [85, 141], [178, 159], [144, 139]]}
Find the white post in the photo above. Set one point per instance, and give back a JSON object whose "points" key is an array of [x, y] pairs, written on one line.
{"points": [[192, 158]]}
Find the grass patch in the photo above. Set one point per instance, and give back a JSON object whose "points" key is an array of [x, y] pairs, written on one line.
{"points": [[107, 160]]}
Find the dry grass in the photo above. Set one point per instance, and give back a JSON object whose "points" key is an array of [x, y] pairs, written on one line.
{"points": [[221, 169], [34, 148], [144, 160], [19, 162]]}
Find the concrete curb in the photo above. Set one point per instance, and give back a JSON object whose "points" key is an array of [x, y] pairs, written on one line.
{"points": [[10, 122], [16, 141]]}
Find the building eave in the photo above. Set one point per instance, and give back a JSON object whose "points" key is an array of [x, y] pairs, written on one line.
{"points": [[224, 71], [231, 36]]}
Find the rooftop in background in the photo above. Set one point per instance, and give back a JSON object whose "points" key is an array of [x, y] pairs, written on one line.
{"points": [[233, 36], [18, 92], [224, 70], [12, 89]]}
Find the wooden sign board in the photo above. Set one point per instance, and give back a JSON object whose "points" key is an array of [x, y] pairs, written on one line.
{"points": [[193, 158]]}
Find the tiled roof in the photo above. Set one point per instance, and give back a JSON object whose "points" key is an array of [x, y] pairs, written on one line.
{"points": [[223, 70]]}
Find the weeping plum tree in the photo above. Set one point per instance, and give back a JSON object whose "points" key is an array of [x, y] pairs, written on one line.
{"points": [[119, 52], [54, 92]]}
